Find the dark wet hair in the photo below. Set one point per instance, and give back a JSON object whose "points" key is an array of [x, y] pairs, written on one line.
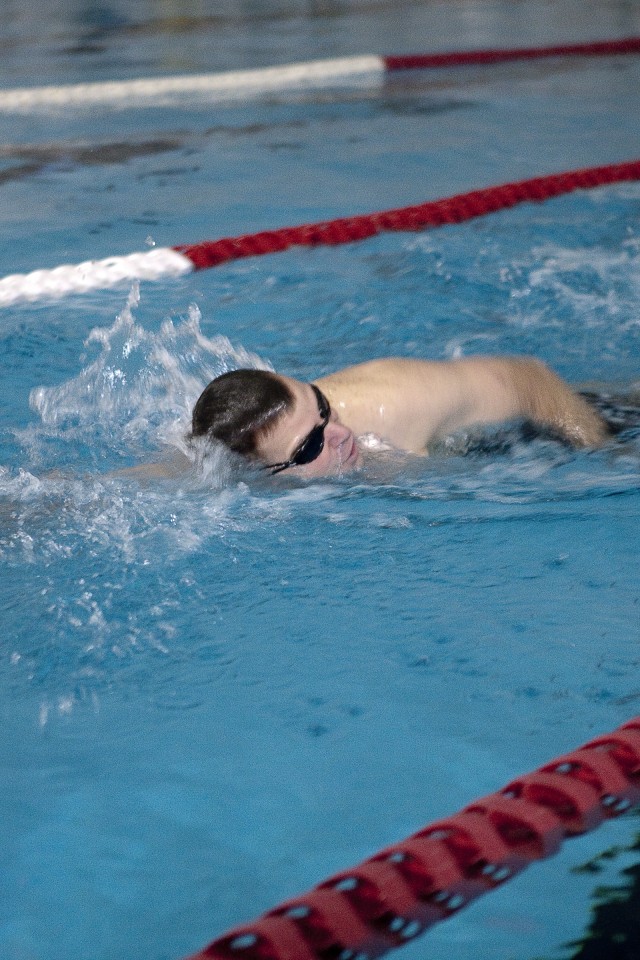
{"points": [[240, 407]]}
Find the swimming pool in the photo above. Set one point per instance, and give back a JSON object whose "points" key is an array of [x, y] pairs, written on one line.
{"points": [[217, 690]]}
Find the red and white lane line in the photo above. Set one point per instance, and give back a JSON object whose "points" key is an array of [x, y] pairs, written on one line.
{"points": [[164, 262], [156, 264], [245, 84], [396, 894]]}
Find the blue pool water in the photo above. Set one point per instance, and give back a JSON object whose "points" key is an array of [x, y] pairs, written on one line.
{"points": [[216, 690]]}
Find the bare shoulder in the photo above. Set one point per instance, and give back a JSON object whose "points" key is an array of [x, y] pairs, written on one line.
{"points": [[384, 370], [401, 400]]}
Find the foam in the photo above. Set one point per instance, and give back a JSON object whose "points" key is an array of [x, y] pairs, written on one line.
{"points": [[138, 392]]}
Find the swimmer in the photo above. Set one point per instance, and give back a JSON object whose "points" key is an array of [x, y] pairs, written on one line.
{"points": [[312, 429]]}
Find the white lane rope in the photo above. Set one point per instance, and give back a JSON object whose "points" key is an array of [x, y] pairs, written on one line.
{"points": [[93, 275], [243, 84], [174, 261], [232, 85]]}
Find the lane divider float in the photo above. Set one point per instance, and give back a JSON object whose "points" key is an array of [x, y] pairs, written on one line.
{"points": [[244, 84], [395, 895], [164, 262]]}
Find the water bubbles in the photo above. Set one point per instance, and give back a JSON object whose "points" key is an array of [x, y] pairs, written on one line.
{"points": [[75, 504], [135, 397], [129, 550], [43, 715]]}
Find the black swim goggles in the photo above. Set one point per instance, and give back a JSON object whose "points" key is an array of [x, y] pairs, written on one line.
{"points": [[313, 444]]}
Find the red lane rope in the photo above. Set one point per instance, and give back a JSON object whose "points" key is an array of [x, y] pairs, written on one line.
{"points": [[175, 261], [436, 213], [470, 57], [396, 894]]}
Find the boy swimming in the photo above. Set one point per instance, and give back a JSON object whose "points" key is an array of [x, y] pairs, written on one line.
{"points": [[313, 428]]}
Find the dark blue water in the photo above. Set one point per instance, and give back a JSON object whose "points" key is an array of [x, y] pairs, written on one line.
{"points": [[215, 690]]}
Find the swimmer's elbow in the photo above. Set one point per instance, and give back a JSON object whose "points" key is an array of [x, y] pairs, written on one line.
{"points": [[552, 402], [586, 431]]}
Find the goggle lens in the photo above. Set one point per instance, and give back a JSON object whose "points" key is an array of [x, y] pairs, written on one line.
{"points": [[313, 444]]}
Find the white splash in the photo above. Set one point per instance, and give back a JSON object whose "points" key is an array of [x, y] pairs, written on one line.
{"points": [[139, 391]]}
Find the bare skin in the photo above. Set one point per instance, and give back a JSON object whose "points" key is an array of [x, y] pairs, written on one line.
{"points": [[413, 403]]}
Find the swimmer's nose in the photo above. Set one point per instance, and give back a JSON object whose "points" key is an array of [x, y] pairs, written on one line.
{"points": [[339, 433]]}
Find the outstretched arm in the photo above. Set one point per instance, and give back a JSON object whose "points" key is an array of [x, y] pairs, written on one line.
{"points": [[500, 388]]}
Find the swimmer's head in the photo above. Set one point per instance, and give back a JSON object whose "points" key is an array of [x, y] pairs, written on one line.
{"points": [[239, 408], [281, 423]]}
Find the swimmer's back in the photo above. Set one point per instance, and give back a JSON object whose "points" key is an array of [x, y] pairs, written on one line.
{"points": [[401, 400], [411, 403]]}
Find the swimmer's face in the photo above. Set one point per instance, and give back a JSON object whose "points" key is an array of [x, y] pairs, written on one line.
{"points": [[298, 431]]}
